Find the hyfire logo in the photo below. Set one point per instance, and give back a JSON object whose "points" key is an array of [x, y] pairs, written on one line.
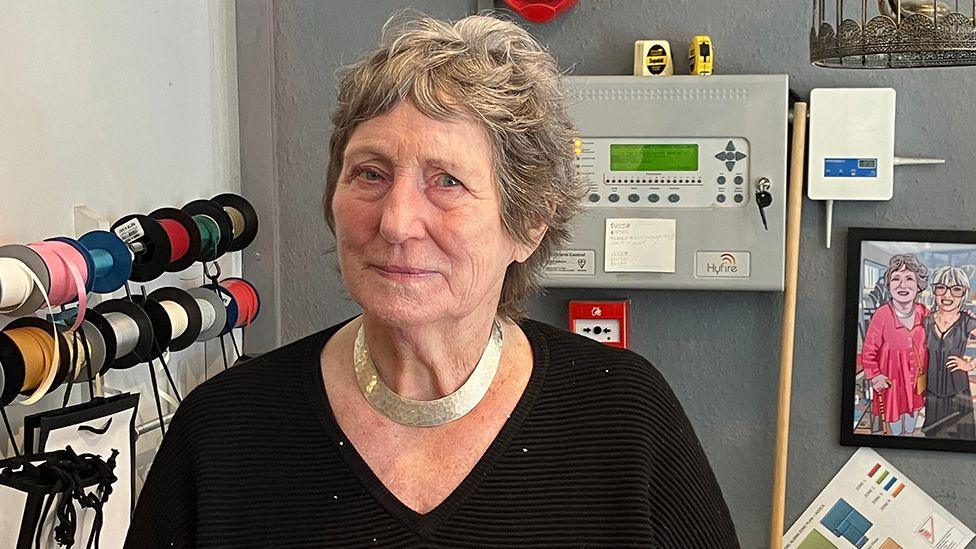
{"points": [[727, 265]]}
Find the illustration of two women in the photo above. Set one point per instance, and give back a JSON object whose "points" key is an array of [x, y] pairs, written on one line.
{"points": [[915, 359]]}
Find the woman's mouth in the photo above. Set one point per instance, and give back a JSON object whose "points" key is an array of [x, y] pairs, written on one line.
{"points": [[403, 272]]}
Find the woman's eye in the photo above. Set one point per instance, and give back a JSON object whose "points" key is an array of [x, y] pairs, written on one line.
{"points": [[370, 175], [447, 180]]}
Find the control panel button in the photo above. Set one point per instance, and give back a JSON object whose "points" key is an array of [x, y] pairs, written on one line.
{"points": [[634, 198], [672, 198], [738, 180], [653, 197], [739, 198], [720, 198], [594, 197], [614, 198], [721, 180]]}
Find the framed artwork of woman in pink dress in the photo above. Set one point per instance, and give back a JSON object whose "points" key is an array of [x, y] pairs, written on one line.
{"points": [[910, 340]]}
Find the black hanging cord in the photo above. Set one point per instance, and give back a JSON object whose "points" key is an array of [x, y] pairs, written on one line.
{"points": [[65, 474], [169, 376], [233, 340], [10, 432], [223, 351], [88, 367], [159, 406], [71, 374]]}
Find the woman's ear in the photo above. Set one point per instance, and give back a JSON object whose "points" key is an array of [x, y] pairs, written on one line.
{"points": [[524, 250]]}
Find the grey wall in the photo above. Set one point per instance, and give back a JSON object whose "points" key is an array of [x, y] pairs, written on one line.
{"points": [[718, 350]]}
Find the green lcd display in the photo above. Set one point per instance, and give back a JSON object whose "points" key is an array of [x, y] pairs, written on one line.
{"points": [[654, 158]]}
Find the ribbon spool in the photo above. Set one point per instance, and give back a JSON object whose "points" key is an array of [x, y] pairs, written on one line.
{"points": [[111, 260], [177, 302], [132, 329], [246, 297], [212, 213], [162, 330], [229, 304], [149, 243], [86, 256], [12, 365], [184, 237], [68, 268], [39, 372], [33, 262], [213, 313], [101, 344], [243, 219]]}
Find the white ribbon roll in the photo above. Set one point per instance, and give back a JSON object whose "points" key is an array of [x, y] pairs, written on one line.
{"points": [[177, 317], [16, 283], [208, 314]]}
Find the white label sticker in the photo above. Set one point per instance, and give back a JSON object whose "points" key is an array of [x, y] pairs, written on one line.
{"points": [[723, 264], [639, 246], [130, 231], [572, 263]]}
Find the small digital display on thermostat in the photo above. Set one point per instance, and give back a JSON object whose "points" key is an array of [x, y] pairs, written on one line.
{"points": [[654, 158]]}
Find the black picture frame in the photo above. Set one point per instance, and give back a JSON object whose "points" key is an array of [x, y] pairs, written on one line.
{"points": [[852, 429]]}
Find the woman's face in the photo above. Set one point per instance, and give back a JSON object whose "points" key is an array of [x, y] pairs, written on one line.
{"points": [[418, 225], [948, 298], [903, 286]]}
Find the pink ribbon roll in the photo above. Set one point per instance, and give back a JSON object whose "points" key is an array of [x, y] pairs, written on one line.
{"points": [[69, 273]]}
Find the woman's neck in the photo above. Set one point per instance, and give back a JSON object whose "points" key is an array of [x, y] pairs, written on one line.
{"points": [[428, 361], [944, 316], [903, 308]]}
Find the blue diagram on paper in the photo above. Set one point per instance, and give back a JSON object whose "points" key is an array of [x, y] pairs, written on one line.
{"points": [[845, 522]]}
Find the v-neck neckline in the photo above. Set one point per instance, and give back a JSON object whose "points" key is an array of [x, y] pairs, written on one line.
{"points": [[424, 523], [941, 335]]}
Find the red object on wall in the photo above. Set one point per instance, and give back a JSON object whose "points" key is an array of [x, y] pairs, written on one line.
{"points": [[540, 11], [587, 316]]}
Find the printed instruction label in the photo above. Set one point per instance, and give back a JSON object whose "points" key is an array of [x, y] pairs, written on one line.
{"points": [[572, 263], [639, 246], [130, 231]]}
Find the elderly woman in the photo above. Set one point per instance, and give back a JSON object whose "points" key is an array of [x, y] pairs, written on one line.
{"points": [[948, 397], [440, 417], [894, 355]]}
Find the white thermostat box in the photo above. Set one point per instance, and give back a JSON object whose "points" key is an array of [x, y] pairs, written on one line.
{"points": [[852, 144]]}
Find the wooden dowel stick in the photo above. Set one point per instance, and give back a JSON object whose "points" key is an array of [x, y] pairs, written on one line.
{"points": [[794, 207]]}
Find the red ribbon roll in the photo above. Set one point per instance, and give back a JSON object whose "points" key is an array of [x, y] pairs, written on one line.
{"points": [[246, 297], [179, 239]]}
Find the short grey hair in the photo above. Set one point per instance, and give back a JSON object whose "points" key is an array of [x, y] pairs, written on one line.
{"points": [[948, 275], [908, 262], [493, 72]]}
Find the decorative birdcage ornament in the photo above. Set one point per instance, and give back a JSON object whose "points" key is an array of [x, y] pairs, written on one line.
{"points": [[879, 34]]}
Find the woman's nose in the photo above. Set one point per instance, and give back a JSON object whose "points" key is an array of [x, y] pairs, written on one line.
{"points": [[403, 209]]}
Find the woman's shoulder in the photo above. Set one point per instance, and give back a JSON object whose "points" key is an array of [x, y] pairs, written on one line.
{"points": [[275, 380]]}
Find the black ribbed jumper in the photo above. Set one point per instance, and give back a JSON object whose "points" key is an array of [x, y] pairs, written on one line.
{"points": [[597, 453]]}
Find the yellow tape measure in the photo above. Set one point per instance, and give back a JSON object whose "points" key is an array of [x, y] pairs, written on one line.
{"points": [[700, 55], [653, 58]]}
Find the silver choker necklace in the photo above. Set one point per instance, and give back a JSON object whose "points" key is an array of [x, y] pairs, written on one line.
{"points": [[427, 413]]}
